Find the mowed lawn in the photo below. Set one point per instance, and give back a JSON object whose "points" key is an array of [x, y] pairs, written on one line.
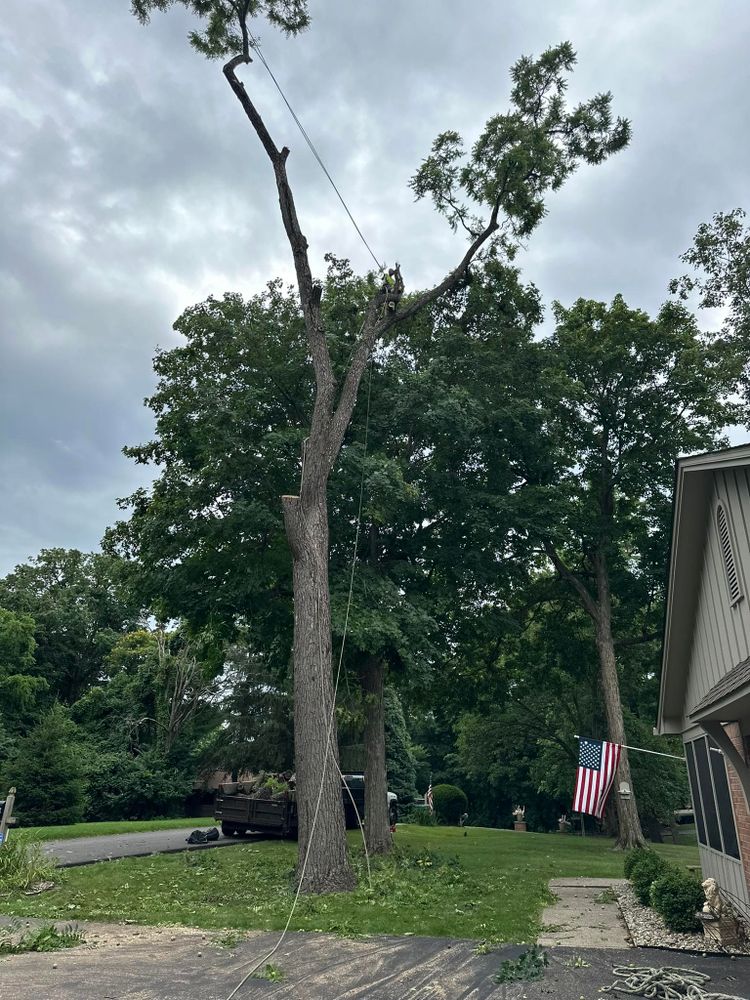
{"points": [[489, 884]]}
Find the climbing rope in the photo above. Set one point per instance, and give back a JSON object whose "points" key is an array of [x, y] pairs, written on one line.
{"points": [[665, 983]]}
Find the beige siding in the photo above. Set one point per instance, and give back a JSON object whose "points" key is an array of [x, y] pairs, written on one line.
{"points": [[721, 636], [728, 873]]}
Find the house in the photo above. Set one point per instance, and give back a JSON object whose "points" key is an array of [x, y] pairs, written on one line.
{"points": [[705, 681]]}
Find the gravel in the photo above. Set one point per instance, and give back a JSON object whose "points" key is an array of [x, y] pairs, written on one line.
{"points": [[647, 929]]}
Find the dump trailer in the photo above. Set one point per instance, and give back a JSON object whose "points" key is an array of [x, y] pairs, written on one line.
{"points": [[238, 812]]}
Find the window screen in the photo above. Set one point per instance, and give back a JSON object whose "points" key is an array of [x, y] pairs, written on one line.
{"points": [[712, 800], [724, 804], [695, 791], [710, 815]]}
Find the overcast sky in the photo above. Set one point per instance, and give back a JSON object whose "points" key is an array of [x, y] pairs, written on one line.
{"points": [[130, 187]]}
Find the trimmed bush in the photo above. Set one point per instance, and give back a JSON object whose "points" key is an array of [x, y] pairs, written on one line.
{"points": [[645, 871], [631, 860], [450, 803], [677, 897]]}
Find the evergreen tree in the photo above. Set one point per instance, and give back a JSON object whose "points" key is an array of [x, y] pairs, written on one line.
{"points": [[47, 772]]}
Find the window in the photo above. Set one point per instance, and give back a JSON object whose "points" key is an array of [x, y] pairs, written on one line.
{"points": [[712, 803], [731, 569]]}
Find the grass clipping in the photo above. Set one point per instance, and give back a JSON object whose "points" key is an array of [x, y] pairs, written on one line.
{"points": [[24, 865]]}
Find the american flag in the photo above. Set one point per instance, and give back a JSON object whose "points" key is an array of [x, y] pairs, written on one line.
{"points": [[428, 798], [597, 763]]}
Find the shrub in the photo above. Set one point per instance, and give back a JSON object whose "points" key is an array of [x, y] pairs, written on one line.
{"points": [[418, 815], [644, 873], [677, 897], [450, 803], [143, 787], [631, 860]]}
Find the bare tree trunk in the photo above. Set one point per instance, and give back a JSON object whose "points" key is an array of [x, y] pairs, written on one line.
{"points": [[377, 820], [629, 824], [322, 863]]}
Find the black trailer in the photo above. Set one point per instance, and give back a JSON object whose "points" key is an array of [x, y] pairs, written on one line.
{"points": [[239, 813]]}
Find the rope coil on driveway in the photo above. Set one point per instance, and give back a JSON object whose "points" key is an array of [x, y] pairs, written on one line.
{"points": [[666, 983]]}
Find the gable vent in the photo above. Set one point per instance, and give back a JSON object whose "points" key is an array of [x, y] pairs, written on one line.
{"points": [[727, 554]]}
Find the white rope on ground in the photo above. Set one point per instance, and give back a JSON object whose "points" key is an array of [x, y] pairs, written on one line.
{"points": [[667, 983], [328, 754]]}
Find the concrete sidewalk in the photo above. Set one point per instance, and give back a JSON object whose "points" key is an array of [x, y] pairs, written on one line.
{"points": [[583, 916], [139, 963]]}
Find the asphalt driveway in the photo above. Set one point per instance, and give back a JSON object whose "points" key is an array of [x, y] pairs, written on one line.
{"points": [[86, 850], [139, 963]]}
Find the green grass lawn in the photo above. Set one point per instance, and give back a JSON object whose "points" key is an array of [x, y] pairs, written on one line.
{"points": [[102, 829], [488, 884]]}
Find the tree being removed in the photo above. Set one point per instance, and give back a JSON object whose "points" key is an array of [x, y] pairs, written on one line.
{"points": [[495, 192]]}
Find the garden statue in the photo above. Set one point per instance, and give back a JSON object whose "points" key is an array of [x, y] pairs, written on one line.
{"points": [[563, 824], [519, 814], [717, 917]]}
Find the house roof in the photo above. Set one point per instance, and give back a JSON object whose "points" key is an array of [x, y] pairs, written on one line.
{"points": [[730, 683], [692, 496]]}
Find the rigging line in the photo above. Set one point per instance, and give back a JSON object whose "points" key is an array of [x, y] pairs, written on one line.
{"points": [[656, 753], [313, 150], [331, 717]]}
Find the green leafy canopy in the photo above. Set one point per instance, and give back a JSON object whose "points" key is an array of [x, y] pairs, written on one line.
{"points": [[225, 31], [522, 154]]}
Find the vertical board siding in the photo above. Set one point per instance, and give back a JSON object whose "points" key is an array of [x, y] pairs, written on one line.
{"points": [[738, 500], [728, 873], [721, 632]]}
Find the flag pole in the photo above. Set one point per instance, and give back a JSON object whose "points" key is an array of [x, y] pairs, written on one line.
{"points": [[656, 753]]}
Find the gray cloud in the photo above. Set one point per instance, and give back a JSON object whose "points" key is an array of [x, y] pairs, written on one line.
{"points": [[131, 188]]}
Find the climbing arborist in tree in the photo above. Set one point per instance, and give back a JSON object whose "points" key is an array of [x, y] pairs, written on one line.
{"points": [[393, 286]]}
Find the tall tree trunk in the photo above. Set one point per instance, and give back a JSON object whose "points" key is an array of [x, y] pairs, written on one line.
{"points": [[377, 821], [629, 824], [322, 832], [306, 516]]}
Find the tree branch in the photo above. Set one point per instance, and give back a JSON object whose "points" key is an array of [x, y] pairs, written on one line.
{"points": [[588, 602], [309, 292], [450, 280], [379, 320]]}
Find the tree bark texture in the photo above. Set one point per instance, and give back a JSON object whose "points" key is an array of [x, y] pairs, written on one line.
{"points": [[629, 823], [377, 820], [322, 863]]}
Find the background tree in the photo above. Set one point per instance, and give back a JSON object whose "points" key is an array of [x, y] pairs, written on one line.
{"points": [[80, 603], [46, 769], [516, 160], [425, 511], [627, 395], [720, 271], [21, 687]]}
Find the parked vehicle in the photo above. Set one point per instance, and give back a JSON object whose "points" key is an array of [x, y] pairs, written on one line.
{"points": [[239, 812], [684, 815]]}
